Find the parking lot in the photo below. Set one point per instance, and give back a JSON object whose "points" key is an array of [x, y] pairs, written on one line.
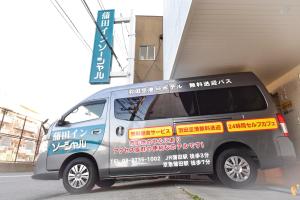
{"points": [[20, 186]]}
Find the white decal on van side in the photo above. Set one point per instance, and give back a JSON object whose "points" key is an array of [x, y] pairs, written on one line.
{"points": [[149, 90], [68, 145], [184, 160], [210, 83]]}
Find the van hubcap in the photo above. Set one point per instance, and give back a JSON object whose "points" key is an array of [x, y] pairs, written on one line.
{"points": [[237, 168], [78, 176]]}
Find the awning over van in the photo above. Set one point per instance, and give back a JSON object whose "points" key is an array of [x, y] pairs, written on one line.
{"points": [[203, 37]]}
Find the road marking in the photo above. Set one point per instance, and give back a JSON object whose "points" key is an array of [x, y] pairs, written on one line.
{"points": [[15, 176]]}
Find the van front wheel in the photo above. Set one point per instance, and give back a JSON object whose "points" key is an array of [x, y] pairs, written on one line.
{"points": [[79, 175], [235, 168]]}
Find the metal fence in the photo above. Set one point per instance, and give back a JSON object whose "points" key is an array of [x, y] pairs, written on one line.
{"points": [[20, 137]]}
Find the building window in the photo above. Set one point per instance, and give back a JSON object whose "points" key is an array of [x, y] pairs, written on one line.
{"points": [[147, 52]]}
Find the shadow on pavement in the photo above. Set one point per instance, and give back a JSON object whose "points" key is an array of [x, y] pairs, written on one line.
{"points": [[168, 182], [136, 184], [154, 183], [50, 196]]}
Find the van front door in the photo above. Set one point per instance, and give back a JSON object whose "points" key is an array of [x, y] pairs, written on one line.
{"points": [[141, 139], [84, 130]]}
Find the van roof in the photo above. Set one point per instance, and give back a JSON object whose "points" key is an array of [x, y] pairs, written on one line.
{"points": [[242, 75]]}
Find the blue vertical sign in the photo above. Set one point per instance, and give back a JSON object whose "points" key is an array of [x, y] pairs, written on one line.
{"points": [[102, 55]]}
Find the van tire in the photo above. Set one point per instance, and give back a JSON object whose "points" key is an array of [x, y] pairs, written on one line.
{"points": [[214, 178], [246, 165], [84, 170], [105, 183]]}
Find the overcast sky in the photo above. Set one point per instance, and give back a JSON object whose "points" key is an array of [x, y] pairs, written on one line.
{"points": [[43, 65]]}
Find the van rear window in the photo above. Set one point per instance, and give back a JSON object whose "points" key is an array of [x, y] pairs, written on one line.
{"points": [[193, 103]]}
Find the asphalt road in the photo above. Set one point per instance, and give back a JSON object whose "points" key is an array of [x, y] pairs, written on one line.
{"points": [[20, 186]]}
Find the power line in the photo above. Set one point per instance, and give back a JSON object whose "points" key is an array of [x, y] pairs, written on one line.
{"points": [[99, 30], [126, 29], [103, 8], [125, 26], [101, 5], [70, 26], [70, 23], [124, 39]]}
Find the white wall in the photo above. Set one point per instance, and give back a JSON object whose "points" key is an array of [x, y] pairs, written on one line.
{"points": [[175, 16], [287, 77], [288, 88]]}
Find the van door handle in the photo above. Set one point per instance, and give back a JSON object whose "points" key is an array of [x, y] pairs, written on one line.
{"points": [[96, 132], [120, 131]]}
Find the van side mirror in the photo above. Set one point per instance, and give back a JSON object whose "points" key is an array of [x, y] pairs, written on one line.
{"points": [[62, 122]]}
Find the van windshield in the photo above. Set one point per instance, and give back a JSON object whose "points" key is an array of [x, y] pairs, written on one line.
{"points": [[192, 103]]}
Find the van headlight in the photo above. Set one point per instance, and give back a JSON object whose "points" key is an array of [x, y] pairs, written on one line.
{"points": [[44, 144]]}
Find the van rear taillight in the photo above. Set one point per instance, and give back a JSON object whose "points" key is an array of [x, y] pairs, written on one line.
{"points": [[283, 126]]}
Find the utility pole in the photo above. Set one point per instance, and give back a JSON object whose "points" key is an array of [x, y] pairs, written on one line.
{"points": [[129, 72]]}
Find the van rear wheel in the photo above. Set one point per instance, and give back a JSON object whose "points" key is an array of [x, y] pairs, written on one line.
{"points": [[79, 175], [236, 168]]}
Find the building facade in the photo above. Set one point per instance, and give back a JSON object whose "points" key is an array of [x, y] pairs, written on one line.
{"points": [[20, 136], [205, 38], [148, 62]]}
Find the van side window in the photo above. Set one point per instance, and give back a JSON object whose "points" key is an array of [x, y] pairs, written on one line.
{"points": [[159, 106], [86, 112], [230, 100], [248, 98], [143, 108], [192, 103], [128, 108]]}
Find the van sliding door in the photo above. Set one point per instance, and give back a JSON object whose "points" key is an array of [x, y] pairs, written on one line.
{"points": [[141, 137], [199, 117]]}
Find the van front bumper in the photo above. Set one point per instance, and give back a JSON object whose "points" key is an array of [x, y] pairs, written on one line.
{"points": [[46, 176], [40, 169]]}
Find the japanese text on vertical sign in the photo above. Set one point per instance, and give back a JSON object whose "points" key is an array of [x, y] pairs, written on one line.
{"points": [[102, 55]]}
